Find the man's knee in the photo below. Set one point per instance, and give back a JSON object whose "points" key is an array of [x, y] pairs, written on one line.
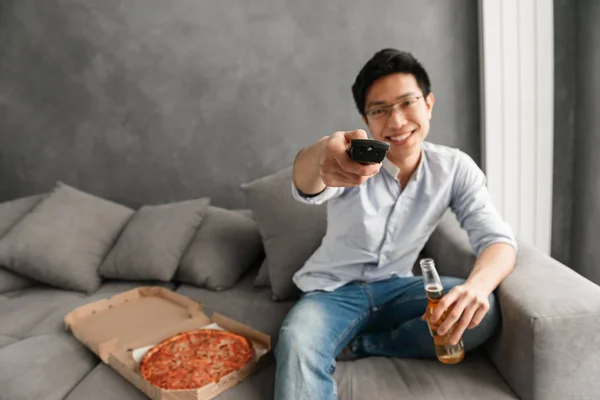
{"points": [[293, 339], [488, 327], [448, 282], [302, 333], [494, 315]]}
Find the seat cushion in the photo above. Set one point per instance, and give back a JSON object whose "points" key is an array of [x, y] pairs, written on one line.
{"points": [[41, 309], [392, 378], [6, 340], [22, 310], [381, 378], [104, 383], [43, 367], [244, 303]]}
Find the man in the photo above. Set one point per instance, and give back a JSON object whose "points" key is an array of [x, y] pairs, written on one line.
{"points": [[359, 291]]}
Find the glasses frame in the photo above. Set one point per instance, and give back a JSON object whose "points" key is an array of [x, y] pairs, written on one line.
{"points": [[390, 108]]}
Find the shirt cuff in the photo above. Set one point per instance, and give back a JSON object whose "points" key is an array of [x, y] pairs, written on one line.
{"points": [[318, 198]]}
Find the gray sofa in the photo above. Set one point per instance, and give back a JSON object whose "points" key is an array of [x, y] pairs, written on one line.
{"points": [[548, 347]]}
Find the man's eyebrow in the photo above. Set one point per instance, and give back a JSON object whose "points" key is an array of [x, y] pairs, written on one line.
{"points": [[380, 103]]}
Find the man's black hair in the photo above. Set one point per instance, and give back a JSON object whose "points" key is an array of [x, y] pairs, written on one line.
{"points": [[386, 62]]}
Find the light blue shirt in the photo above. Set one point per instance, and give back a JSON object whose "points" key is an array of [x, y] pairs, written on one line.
{"points": [[377, 230]]}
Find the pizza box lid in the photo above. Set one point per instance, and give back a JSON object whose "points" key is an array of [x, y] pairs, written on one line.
{"points": [[112, 328]]}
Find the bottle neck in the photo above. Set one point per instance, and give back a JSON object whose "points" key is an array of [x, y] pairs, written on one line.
{"points": [[431, 279]]}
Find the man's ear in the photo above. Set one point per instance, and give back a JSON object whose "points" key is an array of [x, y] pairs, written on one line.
{"points": [[429, 101]]}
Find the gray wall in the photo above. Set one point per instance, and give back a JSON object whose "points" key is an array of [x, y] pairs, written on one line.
{"points": [[585, 248], [149, 101]]}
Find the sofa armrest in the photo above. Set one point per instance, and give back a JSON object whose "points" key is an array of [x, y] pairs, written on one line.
{"points": [[548, 347]]}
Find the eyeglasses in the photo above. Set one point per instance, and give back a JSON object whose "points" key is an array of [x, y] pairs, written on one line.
{"points": [[406, 106]]}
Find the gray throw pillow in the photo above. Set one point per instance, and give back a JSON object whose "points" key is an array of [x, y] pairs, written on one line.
{"points": [[9, 281], [10, 213], [262, 277], [246, 213], [226, 245], [291, 231], [261, 280], [151, 245], [449, 246], [64, 238]]}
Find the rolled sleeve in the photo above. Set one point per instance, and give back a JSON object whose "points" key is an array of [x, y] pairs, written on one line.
{"points": [[472, 204], [327, 194]]}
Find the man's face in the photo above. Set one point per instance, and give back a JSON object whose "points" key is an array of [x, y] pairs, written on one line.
{"points": [[397, 113]]}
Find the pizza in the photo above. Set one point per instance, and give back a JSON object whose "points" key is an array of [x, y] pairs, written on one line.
{"points": [[190, 360]]}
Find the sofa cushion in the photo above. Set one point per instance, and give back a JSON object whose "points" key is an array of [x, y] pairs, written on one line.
{"points": [[64, 239], [291, 231], [10, 213], [6, 340], [243, 303], [115, 286], [246, 212], [53, 320], [43, 367], [153, 241], [22, 310], [262, 277], [10, 281], [382, 378], [104, 383], [225, 246]]}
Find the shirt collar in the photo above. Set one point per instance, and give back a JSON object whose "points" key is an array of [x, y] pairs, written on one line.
{"points": [[393, 170]]}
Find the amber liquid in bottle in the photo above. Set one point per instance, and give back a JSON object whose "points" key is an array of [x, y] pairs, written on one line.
{"points": [[447, 353]]}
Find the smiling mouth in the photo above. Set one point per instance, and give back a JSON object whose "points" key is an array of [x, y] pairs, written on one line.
{"points": [[400, 138]]}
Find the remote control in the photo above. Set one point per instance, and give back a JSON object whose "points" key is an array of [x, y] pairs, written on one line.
{"points": [[367, 151]]}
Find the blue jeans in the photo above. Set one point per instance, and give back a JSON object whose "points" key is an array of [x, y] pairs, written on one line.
{"points": [[376, 319]]}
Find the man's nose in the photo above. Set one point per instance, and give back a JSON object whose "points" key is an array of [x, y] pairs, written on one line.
{"points": [[397, 118]]}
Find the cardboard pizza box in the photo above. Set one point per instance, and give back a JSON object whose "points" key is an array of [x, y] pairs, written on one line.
{"points": [[119, 329]]}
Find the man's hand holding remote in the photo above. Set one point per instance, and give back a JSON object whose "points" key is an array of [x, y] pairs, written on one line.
{"points": [[327, 163]]}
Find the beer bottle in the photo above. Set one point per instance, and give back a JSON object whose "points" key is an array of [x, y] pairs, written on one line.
{"points": [[446, 352]]}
